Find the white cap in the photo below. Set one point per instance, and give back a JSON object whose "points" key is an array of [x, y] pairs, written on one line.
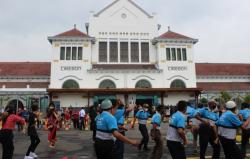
{"points": [[230, 105]]}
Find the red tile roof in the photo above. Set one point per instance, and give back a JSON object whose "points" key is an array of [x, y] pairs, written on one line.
{"points": [[72, 33], [25, 68], [122, 66], [173, 35], [222, 69], [24, 84], [223, 86]]}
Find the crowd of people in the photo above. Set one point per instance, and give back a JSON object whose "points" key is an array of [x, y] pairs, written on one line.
{"points": [[210, 123]]}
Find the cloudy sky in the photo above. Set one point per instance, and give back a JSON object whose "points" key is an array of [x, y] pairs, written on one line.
{"points": [[222, 26]]}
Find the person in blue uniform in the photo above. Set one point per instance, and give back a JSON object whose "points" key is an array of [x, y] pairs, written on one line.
{"points": [[176, 137], [156, 134], [120, 117], [142, 116], [244, 114], [227, 130], [207, 130], [107, 132]]}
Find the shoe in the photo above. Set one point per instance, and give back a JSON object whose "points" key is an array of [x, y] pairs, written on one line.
{"points": [[52, 146], [28, 157], [32, 154]]}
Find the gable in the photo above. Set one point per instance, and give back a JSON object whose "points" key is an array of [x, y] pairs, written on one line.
{"points": [[121, 4]]}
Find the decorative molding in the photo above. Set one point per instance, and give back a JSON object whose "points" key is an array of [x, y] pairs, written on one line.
{"points": [[105, 76], [71, 76], [176, 77], [142, 76]]}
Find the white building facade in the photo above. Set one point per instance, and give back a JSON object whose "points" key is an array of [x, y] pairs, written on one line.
{"points": [[122, 56]]}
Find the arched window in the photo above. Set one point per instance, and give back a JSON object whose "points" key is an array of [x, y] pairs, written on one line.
{"points": [[177, 84], [70, 84], [143, 84], [107, 84]]}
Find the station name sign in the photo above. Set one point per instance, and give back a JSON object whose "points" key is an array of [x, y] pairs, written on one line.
{"points": [[177, 68], [71, 68]]}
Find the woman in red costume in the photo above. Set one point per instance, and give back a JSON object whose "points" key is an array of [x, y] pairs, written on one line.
{"points": [[52, 125]]}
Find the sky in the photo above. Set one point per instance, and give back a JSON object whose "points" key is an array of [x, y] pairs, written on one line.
{"points": [[222, 26]]}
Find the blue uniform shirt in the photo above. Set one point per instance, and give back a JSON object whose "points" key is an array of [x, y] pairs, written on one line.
{"points": [[212, 117], [156, 119], [119, 115], [178, 120], [142, 116], [191, 112], [106, 123], [245, 113], [228, 124]]}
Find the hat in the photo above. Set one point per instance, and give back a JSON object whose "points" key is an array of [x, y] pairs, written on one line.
{"points": [[230, 105], [106, 104]]}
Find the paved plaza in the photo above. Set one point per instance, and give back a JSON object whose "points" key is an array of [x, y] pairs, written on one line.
{"points": [[78, 145]]}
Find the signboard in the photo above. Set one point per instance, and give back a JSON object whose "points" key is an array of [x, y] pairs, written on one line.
{"points": [[177, 68], [71, 68]]}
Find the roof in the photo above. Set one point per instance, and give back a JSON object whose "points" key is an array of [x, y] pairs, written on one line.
{"points": [[72, 33], [124, 66], [133, 3], [172, 35], [25, 68], [204, 69], [223, 86]]}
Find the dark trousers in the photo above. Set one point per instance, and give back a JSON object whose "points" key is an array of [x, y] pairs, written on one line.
{"points": [[244, 141], [34, 143], [119, 148], [81, 126], [6, 139], [206, 135], [230, 148], [144, 132], [105, 149], [176, 149], [76, 123], [158, 148]]}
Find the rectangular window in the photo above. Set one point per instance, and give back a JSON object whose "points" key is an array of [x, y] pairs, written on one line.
{"points": [[68, 53], [184, 54], [113, 52], [173, 54], [179, 54], [62, 53], [103, 52], [134, 52], [144, 52], [74, 53], [124, 51], [168, 54], [79, 53]]}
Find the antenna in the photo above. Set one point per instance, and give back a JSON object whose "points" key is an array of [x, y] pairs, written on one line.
{"points": [[87, 28], [159, 26]]}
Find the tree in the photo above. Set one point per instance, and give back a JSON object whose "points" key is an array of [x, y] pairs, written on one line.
{"points": [[203, 100], [225, 96], [247, 99]]}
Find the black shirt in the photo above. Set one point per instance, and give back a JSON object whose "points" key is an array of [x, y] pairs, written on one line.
{"points": [[31, 126]]}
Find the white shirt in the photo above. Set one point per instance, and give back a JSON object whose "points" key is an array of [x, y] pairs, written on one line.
{"points": [[82, 113]]}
